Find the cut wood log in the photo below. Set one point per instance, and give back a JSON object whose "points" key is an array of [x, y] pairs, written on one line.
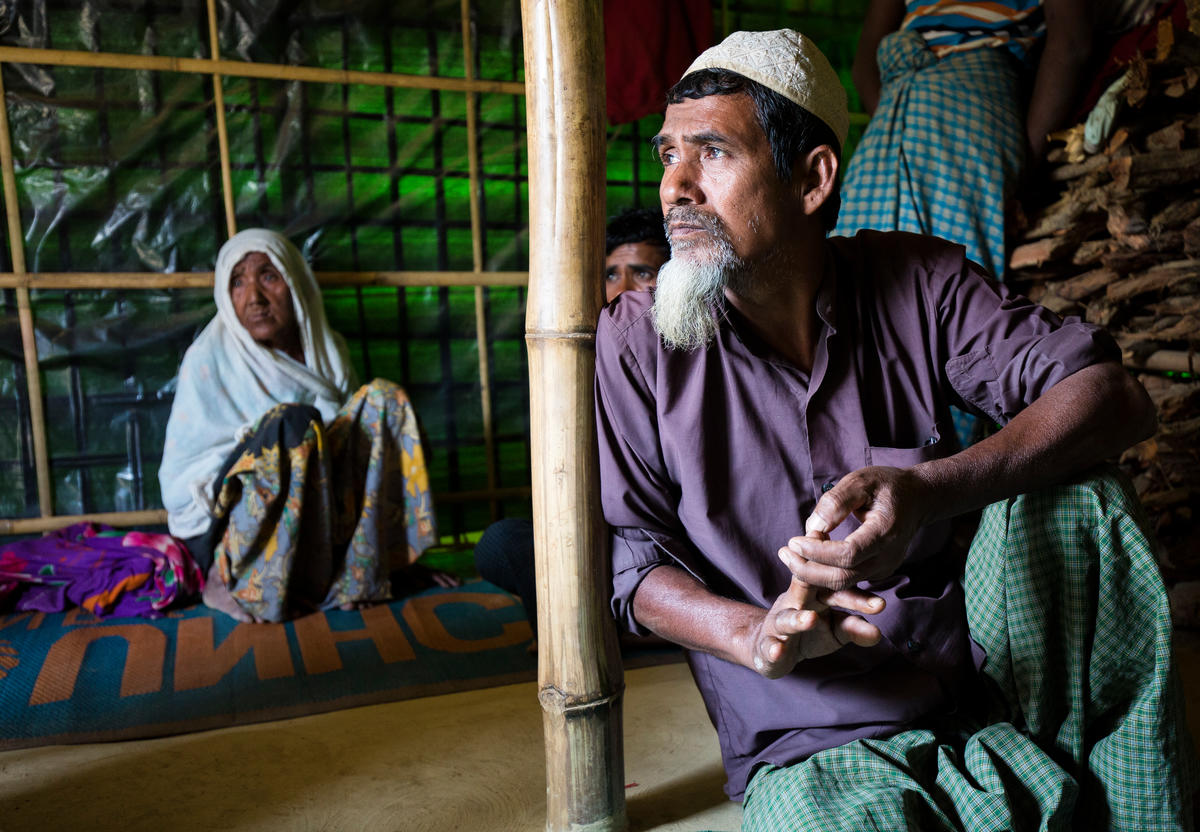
{"points": [[1155, 170], [1156, 278], [1101, 311], [1167, 138], [1174, 399], [1093, 164], [1157, 324], [1165, 40], [1187, 328], [1128, 262], [1137, 87], [1166, 242], [1135, 242], [1053, 217], [1084, 201], [1139, 275], [1175, 328], [1023, 276], [1127, 218], [1142, 452], [1090, 252], [1176, 305], [1072, 137], [1058, 305], [1180, 86], [1041, 251], [1166, 499], [1182, 432], [1177, 214], [1118, 138], [1191, 238], [1084, 285]]}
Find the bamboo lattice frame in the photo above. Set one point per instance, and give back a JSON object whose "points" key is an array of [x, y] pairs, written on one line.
{"points": [[21, 280]]}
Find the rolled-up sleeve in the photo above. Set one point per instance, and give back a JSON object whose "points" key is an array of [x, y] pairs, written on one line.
{"points": [[637, 494], [1002, 350]]}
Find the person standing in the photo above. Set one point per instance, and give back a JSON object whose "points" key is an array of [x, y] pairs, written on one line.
{"points": [[962, 96]]}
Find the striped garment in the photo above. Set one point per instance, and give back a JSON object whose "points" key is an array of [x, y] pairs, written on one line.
{"points": [[959, 25], [943, 150], [1084, 728]]}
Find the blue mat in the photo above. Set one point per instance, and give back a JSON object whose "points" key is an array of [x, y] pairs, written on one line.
{"points": [[70, 677]]}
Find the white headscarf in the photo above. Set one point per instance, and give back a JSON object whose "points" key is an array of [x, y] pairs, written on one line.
{"points": [[228, 380]]}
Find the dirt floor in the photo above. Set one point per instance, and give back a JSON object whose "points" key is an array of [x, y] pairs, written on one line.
{"points": [[457, 763]]}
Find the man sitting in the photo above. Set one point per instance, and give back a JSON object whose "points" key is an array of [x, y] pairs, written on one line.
{"points": [[779, 474]]}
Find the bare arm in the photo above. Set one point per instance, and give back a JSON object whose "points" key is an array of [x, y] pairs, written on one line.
{"points": [[1087, 417], [676, 606], [882, 18], [1061, 70]]}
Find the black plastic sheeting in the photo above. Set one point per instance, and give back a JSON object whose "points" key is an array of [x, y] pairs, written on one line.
{"points": [[119, 171]]}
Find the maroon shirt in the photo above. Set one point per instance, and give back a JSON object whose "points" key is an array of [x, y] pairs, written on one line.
{"points": [[712, 459]]}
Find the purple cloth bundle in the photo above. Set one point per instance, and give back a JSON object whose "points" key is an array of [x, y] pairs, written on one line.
{"points": [[104, 571]]}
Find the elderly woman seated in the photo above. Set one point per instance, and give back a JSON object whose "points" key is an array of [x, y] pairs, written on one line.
{"points": [[294, 492]]}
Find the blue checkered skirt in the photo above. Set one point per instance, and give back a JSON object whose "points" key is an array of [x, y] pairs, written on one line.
{"points": [[943, 149]]}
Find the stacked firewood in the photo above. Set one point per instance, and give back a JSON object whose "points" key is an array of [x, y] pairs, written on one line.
{"points": [[1118, 243]]}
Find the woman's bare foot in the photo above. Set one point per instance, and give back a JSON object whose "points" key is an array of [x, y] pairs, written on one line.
{"points": [[216, 596], [350, 606]]}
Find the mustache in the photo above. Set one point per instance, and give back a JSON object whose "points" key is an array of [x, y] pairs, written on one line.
{"points": [[691, 215]]}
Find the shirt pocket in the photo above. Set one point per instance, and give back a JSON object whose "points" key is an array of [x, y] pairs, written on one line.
{"points": [[936, 447]]}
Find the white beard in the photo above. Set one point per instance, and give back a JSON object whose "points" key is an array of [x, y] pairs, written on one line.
{"points": [[689, 285]]}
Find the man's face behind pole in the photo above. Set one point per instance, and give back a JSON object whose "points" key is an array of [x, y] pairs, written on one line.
{"points": [[632, 267]]}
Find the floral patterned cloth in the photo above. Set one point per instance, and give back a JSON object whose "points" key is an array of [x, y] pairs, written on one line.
{"points": [[104, 571], [312, 517]]}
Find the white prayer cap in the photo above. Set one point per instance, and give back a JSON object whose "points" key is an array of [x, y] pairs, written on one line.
{"points": [[788, 63]]}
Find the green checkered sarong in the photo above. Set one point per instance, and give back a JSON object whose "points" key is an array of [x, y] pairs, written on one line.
{"points": [[1086, 726]]}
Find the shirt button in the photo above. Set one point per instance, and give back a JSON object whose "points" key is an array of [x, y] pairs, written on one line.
{"points": [[913, 646], [827, 486]]}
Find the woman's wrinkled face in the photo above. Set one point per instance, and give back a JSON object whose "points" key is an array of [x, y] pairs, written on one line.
{"points": [[263, 302]]}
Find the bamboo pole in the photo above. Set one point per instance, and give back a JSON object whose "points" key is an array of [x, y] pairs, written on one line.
{"points": [[579, 670], [204, 280], [37, 525], [33, 376], [214, 45], [485, 382], [245, 69], [1170, 361], [423, 278]]}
